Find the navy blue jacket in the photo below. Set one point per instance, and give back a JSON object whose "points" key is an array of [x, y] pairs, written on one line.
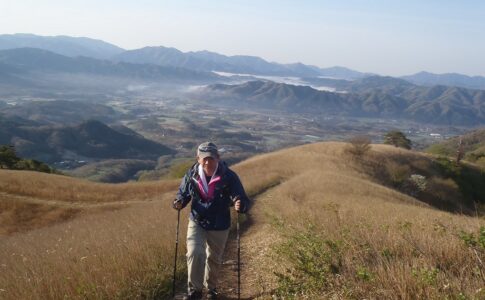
{"points": [[216, 215]]}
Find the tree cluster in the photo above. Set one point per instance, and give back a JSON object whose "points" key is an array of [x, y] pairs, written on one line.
{"points": [[397, 139], [10, 160]]}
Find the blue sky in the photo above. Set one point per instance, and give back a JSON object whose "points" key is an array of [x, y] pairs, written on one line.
{"points": [[385, 37]]}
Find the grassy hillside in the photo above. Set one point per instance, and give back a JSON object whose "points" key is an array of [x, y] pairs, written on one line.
{"points": [[88, 140], [338, 231], [30, 198], [324, 224], [113, 170]]}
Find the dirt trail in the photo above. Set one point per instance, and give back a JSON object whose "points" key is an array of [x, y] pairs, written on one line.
{"points": [[256, 239]]}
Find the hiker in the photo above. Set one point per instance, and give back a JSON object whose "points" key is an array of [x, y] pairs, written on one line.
{"points": [[212, 188]]}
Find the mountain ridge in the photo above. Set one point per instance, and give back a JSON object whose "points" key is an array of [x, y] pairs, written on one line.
{"points": [[449, 79], [90, 139], [61, 44], [399, 99], [205, 60]]}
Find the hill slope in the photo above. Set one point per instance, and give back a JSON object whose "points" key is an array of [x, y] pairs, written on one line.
{"points": [[90, 139], [326, 224], [59, 112]]}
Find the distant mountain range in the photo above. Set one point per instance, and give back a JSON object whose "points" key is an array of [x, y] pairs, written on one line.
{"points": [[453, 79], [206, 61], [90, 139], [23, 61], [360, 94], [64, 45], [238, 64], [370, 97], [163, 56]]}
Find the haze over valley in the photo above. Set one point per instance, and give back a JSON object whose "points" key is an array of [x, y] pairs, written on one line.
{"points": [[178, 99]]}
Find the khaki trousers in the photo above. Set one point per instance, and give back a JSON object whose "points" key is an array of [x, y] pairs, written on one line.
{"points": [[205, 249]]}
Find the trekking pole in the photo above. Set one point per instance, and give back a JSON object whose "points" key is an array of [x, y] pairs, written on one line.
{"points": [[238, 259], [176, 249], [238, 251]]}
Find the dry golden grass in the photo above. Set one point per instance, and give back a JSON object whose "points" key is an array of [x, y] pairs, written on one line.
{"points": [[390, 245], [32, 200], [125, 254], [18, 216], [68, 189]]}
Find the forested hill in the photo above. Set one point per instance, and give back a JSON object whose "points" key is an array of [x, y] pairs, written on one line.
{"points": [[369, 97]]}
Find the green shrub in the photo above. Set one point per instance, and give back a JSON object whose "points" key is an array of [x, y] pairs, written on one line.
{"points": [[469, 179], [426, 276], [312, 261], [473, 240], [364, 274], [178, 170]]}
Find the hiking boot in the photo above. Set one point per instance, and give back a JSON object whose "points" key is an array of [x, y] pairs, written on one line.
{"points": [[212, 294], [193, 295]]}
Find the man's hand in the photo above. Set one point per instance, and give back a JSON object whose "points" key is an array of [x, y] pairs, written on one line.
{"points": [[177, 204], [237, 205]]}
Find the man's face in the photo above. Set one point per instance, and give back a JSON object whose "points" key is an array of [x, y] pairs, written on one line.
{"points": [[209, 165]]}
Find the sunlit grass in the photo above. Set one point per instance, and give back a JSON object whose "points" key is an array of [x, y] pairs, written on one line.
{"points": [[63, 188], [375, 240]]}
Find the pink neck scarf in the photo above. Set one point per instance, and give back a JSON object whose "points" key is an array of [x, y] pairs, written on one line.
{"points": [[207, 189]]}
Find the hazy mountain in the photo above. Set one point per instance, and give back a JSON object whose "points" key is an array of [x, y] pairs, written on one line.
{"points": [[271, 95], [451, 79], [60, 112], [33, 71], [31, 59], [291, 98], [446, 105], [239, 64], [381, 97], [202, 61], [65, 45], [384, 84], [90, 139], [342, 73], [164, 56]]}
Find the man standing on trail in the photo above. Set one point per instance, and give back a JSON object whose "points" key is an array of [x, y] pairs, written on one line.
{"points": [[213, 188]]}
